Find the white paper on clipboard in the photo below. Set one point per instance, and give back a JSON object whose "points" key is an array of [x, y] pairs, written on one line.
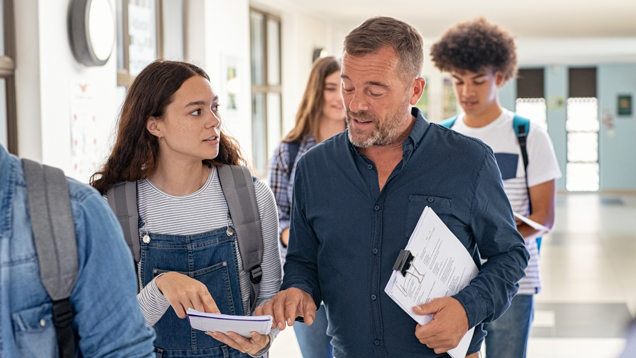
{"points": [[441, 267]]}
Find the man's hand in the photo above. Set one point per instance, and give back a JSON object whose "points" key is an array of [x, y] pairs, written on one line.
{"points": [[448, 326], [287, 305], [250, 346], [284, 237]]}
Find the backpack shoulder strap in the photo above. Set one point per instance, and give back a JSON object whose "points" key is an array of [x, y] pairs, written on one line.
{"points": [[521, 126], [448, 123], [238, 188], [293, 153], [55, 244], [122, 199]]}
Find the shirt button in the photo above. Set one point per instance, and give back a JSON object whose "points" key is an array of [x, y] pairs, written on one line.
{"points": [[375, 251], [370, 166], [374, 297], [377, 342], [376, 208], [42, 323], [430, 200]]}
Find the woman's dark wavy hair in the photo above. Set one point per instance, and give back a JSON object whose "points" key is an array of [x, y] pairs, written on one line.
{"points": [[474, 45], [135, 153]]}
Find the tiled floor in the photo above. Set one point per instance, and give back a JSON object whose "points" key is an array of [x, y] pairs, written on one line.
{"points": [[588, 265]]}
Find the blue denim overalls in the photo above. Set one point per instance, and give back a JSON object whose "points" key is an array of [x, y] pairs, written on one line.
{"points": [[210, 258]]}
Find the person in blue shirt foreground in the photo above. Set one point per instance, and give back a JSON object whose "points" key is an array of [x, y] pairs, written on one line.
{"points": [[108, 320], [357, 198]]}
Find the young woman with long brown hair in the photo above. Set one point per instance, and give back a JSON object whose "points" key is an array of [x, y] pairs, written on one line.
{"points": [[170, 142], [320, 116]]}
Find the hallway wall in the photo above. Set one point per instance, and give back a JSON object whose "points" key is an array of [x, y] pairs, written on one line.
{"points": [[45, 72]]}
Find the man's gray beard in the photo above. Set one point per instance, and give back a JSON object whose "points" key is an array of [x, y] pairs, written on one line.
{"points": [[382, 136]]}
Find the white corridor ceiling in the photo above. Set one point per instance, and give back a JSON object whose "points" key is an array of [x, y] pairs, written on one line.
{"points": [[538, 18]]}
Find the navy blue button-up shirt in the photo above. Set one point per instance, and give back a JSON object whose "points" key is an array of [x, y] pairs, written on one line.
{"points": [[346, 234]]}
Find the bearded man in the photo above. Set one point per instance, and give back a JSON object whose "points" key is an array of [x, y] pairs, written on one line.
{"points": [[358, 196]]}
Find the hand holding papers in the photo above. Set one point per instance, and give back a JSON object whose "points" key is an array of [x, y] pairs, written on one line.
{"points": [[242, 325], [533, 224], [440, 266]]}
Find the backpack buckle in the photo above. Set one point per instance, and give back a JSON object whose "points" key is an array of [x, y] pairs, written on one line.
{"points": [[63, 313], [256, 274]]}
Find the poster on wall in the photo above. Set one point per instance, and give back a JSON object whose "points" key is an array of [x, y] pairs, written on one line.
{"points": [[625, 105], [143, 40], [84, 139], [230, 86]]}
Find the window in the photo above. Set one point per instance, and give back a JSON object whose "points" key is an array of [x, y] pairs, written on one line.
{"points": [[147, 30], [582, 127], [534, 109], [8, 118], [531, 96], [265, 63], [449, 99]]}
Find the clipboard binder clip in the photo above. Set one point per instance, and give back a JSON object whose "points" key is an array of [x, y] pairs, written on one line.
{"points": [[403, 262]]}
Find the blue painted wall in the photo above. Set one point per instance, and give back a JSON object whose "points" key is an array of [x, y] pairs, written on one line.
{"points": [[556, 85], [508, 95], [617, 153]]}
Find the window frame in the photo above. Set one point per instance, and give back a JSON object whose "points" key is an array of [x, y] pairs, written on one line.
{"points": [[124, 78], [7, 72], [266, 88]]}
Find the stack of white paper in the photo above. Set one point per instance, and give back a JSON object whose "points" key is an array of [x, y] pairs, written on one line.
{"points": [[441, 267], [533, 224], [242, 325]]}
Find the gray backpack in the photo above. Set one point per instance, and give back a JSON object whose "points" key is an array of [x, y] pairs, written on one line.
{"points": [[55, 245], [238, 188]]}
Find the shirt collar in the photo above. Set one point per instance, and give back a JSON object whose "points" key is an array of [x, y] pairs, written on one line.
{"points": [[6, 172], [420, 127], [4, 158]]}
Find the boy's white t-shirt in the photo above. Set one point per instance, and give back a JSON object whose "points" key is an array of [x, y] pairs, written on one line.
{"points": [[542, 167]]}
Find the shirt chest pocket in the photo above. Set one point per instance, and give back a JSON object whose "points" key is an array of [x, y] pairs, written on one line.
{"points": [[34, 332], [443, 207]]}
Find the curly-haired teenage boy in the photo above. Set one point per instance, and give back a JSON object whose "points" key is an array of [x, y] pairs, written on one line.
{"points": [[481, 57]]}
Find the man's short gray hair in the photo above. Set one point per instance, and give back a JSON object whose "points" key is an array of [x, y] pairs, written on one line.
{"points": [[378, 32]]}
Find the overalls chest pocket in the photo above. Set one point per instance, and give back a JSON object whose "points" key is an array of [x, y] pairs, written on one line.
{"points": [[210, 258], [443, 207]]}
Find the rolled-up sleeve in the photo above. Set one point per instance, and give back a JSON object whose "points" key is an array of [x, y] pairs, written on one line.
{"points": [[489, 294], [302, 254]]}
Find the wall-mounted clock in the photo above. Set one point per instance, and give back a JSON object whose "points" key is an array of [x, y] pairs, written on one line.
{"points": [[91, 31]]}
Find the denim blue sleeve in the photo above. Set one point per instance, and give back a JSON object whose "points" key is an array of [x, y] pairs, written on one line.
{"points": [[302, 253], [488, 296], [108, 317]]}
